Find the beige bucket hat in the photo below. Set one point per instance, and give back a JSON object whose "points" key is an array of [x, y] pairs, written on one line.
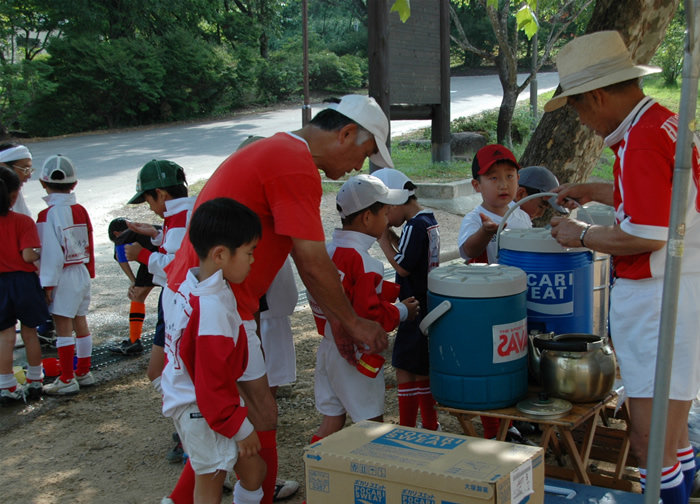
{"points": [[594, 61]]}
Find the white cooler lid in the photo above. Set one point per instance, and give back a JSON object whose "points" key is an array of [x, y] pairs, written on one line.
{"points": [[477, 280], [534, 240]]}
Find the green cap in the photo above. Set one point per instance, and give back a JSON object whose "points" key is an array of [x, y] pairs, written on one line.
{"points": [[156, 174]]}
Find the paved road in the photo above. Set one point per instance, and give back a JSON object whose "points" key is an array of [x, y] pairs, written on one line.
{"points": [[108, 162]]}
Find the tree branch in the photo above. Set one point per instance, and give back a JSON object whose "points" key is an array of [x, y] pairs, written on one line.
{"points": [[463, 42]]}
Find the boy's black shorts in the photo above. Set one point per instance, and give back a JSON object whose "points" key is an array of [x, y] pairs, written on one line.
{"points": [[143, 277]]}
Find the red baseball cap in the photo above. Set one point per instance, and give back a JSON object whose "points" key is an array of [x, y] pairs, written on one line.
{"points": [[487, 156]]}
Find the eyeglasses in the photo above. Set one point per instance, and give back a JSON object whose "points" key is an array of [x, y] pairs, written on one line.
{"points": [[24, 170]]}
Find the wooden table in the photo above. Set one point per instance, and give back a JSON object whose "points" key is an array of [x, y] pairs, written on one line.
{"points": [[585, 415]]}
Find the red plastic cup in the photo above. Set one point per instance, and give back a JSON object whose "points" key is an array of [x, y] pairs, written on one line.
{"points": [[370, 364], [52, 367]]}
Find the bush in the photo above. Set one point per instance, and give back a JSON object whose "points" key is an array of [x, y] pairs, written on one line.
{"points": [[22, 85], [279, 77], [669, 56], [328, 71], [486, 122]]}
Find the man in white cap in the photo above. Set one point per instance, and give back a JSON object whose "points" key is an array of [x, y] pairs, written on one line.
{"points": [[18, 158], [601, 82], [278, 178]]}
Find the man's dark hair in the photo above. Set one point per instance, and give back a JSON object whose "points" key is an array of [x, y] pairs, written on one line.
{"points": [[222, 221], [175, 191], [118, 224], [9, 183], [618, 87], [331, 120], [374, 208]]}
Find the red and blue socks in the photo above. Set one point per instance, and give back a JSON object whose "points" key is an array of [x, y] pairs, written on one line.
{"points": [[672, 484], [686, 457]]}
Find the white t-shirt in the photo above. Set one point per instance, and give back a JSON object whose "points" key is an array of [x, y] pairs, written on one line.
{"points": [[472, 222]]}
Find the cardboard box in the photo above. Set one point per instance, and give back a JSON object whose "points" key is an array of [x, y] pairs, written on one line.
{"points": [[374, 463]]}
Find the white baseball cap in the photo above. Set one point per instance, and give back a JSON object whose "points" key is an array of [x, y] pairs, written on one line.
{"points": [[58, 169], [394, 179], [366, 112], [362, 191]]}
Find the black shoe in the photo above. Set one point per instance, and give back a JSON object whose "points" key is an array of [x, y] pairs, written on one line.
{"points": [[175, 455], [513, 436], [525, 428], [128, 348]]}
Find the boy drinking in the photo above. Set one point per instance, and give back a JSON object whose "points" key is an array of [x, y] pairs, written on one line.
{"points": [[339, 387], [67, 265], [207, 352]]}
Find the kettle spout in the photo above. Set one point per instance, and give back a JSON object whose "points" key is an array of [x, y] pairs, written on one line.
{"points": [[533, 354]]}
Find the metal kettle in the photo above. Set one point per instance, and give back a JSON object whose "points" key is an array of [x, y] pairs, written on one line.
{"points": [[575, 367]]}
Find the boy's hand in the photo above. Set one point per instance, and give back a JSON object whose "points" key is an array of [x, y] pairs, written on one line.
{"points": [[142, 228], [48, 294], [249, 447], [488, 225], [132, 251], [413, 307]]}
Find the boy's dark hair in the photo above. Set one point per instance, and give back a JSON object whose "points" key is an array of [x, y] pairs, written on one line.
{"points": [[375, 208], [9, 183], [59, 187], [175, 191], [530, 190], [118, 224], [222, 221]]}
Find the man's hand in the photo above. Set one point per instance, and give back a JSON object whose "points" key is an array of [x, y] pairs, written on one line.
{"points": [[413, 307], [132, 250], [142, 228], [343, 341], [249, 447], [567, 231]]}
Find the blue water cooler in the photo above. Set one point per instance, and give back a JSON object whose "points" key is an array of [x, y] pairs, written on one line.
{"points": [[560, 283], [477, 327]]}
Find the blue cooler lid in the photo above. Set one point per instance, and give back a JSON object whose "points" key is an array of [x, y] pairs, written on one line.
{"points": [[477, 280], [534, 240]]}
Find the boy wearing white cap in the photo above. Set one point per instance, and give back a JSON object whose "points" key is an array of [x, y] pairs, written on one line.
{"points": [[600, 81], [412, 255], [67, 265], [340, 388]]}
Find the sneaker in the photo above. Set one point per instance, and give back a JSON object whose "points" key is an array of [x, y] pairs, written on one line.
{"points": [[126, 347], [175, 455], [8, 397], [33, 389], [85, 380], [59, 387], [514, 436], [284, 489], [48, 338], [167, 500]]}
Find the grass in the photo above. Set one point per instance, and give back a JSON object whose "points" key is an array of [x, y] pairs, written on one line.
{"points": [[417, 163]]}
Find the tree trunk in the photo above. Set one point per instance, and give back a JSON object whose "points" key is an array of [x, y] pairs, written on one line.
{"points": [[560, 143]]}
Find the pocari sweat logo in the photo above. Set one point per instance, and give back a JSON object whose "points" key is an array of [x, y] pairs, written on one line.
{"points": [[369, 493], [417, 440], [550, 293]]}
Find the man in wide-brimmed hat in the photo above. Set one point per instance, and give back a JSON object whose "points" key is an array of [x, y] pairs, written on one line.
{"points": [[601, 82]]}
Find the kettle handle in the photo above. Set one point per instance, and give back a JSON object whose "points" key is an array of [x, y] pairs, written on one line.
{"points": [[566, 346], [433, 315]]}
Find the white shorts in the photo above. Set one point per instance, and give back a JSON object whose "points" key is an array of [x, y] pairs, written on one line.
{"points": [[256, 362], [340, 387], [635, 313], [71, 297], [278, 345], [208, 450]]}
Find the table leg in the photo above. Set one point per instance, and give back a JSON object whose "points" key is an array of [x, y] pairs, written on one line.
{"points": [[466, 422], [588, 439], [503, 429], [570, 445]]}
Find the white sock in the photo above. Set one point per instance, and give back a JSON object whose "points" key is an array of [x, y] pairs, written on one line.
{"points": [[64, 341], [8, 381], [243, 496], [34, 373], [83, 346]]}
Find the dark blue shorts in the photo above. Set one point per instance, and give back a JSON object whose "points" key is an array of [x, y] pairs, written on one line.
{"points": [[159, 337], [411, 349], [21, 298]]}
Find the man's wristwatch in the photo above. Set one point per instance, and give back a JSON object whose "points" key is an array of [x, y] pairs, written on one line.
{"points": [[583, 234]]}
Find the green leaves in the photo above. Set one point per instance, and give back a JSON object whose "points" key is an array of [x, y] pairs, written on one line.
{"points": [[403, 7], [527, 21]]}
